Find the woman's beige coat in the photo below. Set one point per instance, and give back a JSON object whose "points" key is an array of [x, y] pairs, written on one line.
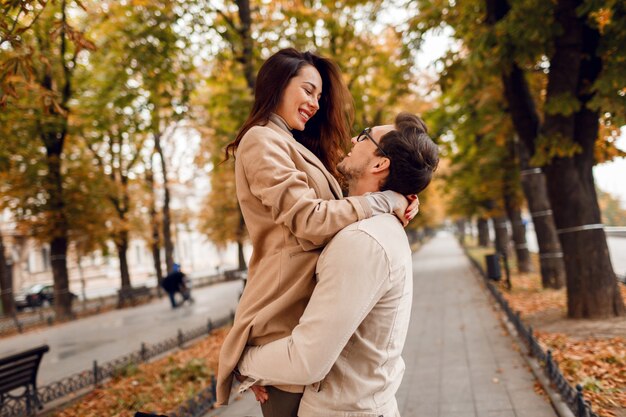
{"points": [[292, 206]]}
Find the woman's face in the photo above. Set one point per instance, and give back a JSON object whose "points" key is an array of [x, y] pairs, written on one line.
{"points": [[300, 100]]}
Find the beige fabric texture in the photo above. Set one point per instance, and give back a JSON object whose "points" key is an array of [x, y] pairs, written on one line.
{"points": [[347, 347], [292, 206]]}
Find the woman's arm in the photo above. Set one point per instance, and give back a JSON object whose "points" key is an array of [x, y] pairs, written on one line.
{"points": [[351, 281], [273, 178]]}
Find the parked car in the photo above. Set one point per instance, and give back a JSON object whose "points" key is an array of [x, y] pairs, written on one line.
{"points": [[36, 296]]}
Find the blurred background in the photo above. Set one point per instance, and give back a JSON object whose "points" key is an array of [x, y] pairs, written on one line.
{"points": [[114, 116]]}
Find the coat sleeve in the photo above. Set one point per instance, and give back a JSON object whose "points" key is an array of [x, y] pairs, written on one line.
{"points": [[351, 282], [274, 179]]}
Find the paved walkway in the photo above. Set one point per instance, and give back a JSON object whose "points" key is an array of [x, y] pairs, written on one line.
{"points": [[74, 345], [460, 362]]}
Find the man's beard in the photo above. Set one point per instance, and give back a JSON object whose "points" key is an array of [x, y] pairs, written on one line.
{"points": [[350, 174]]}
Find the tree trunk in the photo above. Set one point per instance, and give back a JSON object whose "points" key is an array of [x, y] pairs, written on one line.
{"points": [[550, 254], [241, 231], [483, 232], [526, 122], [512, 205], [247, 60], [460, 227], [83, 283], [156, 239], [591, 283], [246, 57], [167, 228], [156, 257], [59, 241], [592, 290], [121, 202], [121, 243], [519, 235], [6, 283], [53, 132], [62, 297], [242, 260], [501, 234]]}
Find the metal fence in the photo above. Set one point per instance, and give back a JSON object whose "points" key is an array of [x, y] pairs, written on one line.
{"points": [[46, 316], [198, 405], [572, 396], [98, 373]]}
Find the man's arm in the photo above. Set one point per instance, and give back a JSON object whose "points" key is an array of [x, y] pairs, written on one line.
{"points": [[353, 273]]}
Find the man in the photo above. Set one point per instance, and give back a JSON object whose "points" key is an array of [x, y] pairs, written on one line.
{"points": [[175, 282], [347, 345]]}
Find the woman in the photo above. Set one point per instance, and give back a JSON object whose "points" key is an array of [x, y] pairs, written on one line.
{"points": [[290, 200]]}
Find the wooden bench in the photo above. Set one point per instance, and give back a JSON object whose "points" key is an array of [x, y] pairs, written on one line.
{"points": [[132, 294], [20, 371]]}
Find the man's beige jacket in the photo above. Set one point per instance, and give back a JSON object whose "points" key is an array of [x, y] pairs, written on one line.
{"points": [[353, 330], [292, 206]]}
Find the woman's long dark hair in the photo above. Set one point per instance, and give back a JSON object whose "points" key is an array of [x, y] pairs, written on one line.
{"points": [[328, 131]]}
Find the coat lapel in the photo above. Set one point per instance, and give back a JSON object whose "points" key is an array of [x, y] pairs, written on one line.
{"points": [[311, 158]]}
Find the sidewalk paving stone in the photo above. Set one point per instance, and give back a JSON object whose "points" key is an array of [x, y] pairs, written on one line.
{"points": [[74, 345]]}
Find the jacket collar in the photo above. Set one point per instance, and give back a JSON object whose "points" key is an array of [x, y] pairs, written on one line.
{"points": [[280, 122], [309, 156]]}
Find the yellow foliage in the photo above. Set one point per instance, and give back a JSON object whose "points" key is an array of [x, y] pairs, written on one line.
{"points": [[603, 18]]}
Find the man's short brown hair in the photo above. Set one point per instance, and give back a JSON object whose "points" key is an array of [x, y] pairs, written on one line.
{"points": [[413, 154]]}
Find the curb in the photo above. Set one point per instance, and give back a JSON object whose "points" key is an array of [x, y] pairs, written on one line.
{"points": [[556, 400]]}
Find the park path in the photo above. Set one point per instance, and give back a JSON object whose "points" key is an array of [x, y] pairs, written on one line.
{"points": [[103, 337], [460, 361]]}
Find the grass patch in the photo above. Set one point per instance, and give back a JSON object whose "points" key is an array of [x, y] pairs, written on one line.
{"points": [[155, 387]]}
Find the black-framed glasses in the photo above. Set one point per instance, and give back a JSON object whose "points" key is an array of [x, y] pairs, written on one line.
{"points": [[366, 134]]}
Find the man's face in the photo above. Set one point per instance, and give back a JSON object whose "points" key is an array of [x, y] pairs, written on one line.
{"points": [[363, 156]]}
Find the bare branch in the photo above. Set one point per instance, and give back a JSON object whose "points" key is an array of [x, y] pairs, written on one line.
{"points": [[227, 19], [137, 154], [25, 28], [96, 155], [67, 87]]}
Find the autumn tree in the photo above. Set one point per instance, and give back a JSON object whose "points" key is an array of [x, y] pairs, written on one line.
{"points": [[117, 155], [17, 19], [155, 222], [577, 46], [230, 86], [484, 173], [167, 64], [582, 42], [378, 74], [613, 212], [135, 93], [40, 87]]}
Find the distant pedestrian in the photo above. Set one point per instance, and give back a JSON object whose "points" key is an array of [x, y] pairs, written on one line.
{"points": [[175, 282]]}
